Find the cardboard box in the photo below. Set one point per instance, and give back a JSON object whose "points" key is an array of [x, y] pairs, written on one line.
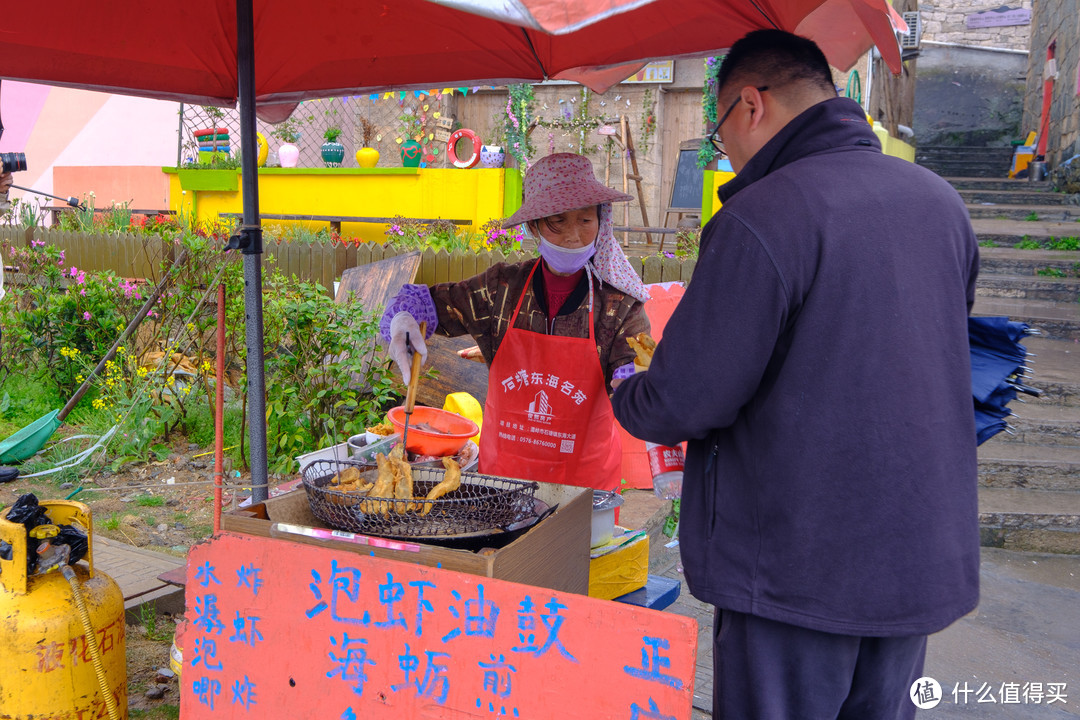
{"points": [[553, 554], [620, 571]]}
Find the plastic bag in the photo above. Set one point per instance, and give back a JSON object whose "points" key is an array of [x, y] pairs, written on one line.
{"points": [[30, 514], [71, 535], [27, 512]]}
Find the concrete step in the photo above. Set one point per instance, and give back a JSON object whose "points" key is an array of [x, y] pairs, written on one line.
{"points": [[1014, 197], [1029, 287], [1038, 423], [1008, 232], [1056, 320], [1030, 520], [966, 161], [967, 168], [984, 183], [1035, 467], [964, 151], [1042, 212], [1014, 261], [1056, 366]]}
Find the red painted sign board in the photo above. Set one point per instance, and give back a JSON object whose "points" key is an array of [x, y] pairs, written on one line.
{"points": [[999, 18], [277, 629]]}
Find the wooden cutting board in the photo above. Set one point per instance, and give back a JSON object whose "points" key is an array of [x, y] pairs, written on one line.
{"points": [[373, 285]]}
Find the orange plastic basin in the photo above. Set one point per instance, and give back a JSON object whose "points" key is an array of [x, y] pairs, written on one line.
{"points": [[454, 430]]}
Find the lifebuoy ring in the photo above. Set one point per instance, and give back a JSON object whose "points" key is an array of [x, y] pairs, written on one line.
{"points": [[451, 151]]}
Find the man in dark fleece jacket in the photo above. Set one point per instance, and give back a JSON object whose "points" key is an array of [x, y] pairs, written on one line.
{"points": [[818, 366]]}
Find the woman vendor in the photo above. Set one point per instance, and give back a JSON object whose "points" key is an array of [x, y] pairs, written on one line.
{"points": [[552, 331]]}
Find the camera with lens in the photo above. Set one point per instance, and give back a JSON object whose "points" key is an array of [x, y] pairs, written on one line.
{"points": [[12, 162]]}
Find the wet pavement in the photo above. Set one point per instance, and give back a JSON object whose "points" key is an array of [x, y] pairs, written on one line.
{"points": [[1017, 657]]}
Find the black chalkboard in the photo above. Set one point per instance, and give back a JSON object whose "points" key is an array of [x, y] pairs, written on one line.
{"points": [[689, 178]]}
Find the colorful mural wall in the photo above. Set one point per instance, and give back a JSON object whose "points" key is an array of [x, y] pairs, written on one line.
{"points": [[127, 140]]}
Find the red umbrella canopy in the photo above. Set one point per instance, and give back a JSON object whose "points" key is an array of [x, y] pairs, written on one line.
{"points": [[187, 50]]}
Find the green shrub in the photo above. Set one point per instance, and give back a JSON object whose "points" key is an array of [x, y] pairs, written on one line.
{"points": [[330, 375], [1065, 243]]}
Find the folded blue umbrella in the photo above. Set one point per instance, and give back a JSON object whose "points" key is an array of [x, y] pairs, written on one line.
{"points": [[997, 371]]}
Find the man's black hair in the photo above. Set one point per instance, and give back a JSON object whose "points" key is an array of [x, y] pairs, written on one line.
{"points": [[775, 58]]}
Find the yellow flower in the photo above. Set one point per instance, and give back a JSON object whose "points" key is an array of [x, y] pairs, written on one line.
{"points": [[187, 390], [191, 327], [121, 350], [207, 366], [142, 372], [171, 380], [98, 403], [79, 378]]}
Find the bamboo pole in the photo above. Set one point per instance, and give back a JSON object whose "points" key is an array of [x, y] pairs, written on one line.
{"points": [[623, 129]]}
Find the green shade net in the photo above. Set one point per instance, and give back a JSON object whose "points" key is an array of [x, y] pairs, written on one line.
{"points": [[30, 439]]}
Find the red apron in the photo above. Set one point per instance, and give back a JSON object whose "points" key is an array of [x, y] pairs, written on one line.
{"points": [[548, 417]]}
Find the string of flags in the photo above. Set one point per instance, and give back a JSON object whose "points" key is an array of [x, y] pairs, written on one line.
{"points": [[400, 95]]}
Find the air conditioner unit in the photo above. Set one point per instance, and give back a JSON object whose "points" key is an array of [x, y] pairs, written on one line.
{"points": [[910, 41]]}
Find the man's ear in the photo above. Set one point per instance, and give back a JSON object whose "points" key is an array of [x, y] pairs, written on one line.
{"points": [[754, 101]]}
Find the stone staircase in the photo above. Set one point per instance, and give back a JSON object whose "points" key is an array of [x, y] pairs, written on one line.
{"points": [[966, 162], [1029, 496]]}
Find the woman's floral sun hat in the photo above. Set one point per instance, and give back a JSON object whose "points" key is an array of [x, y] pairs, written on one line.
{"points": [[558, 183]]}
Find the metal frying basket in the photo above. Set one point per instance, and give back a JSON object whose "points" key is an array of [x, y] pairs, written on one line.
{"points": [[481, 503]]}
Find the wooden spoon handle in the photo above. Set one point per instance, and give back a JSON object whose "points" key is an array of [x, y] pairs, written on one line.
{"points": [[414, 375]]}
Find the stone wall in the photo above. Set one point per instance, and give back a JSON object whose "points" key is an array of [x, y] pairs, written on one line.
{"points": [[1055, 20], [945, 21], [968, 96]]}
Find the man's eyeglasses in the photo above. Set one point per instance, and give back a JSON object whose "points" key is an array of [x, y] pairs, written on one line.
{"points": [[718, 142]]}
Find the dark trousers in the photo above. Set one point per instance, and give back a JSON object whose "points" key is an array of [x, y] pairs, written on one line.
{"points": [[768, 670]]}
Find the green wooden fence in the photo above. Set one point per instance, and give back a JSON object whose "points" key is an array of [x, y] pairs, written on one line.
{"points": [[140, 256]]}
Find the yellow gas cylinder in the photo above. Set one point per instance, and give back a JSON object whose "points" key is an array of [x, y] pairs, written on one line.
{"points": [[466, 406], [50, 666]]}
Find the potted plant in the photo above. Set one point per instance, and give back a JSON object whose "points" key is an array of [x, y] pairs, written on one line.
{"points": [[493, 154], [411, 131], [332, 151], [288, 133], [367, 156], [213, 141]]}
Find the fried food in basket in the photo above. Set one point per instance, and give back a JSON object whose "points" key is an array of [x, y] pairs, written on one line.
{"points": [[383, 428], [346, 477], [403, 485], [643, 346], [385, 482], [348, 480], [394, 482], [451, 481]]}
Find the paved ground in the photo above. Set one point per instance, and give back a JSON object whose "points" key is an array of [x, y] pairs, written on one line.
{"points": [[1026, 630], [136, 571]]}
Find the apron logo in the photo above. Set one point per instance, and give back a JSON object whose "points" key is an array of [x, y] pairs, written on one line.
{"points": [[540, 408]]}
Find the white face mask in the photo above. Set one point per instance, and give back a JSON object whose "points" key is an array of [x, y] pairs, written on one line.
{"points": [[565, 260]]}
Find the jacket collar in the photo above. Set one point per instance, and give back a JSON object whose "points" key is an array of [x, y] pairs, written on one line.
{"points": [[836, 123]]}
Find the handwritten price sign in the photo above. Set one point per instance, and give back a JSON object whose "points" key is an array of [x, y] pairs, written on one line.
{"points": [[278, 629]]}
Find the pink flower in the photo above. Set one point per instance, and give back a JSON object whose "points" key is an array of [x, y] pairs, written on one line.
{"points": [[83, 292], [86, 315]]}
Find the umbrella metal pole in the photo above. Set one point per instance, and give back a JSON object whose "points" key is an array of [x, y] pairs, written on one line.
{"points": [[251, 246], [219, 408]]}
